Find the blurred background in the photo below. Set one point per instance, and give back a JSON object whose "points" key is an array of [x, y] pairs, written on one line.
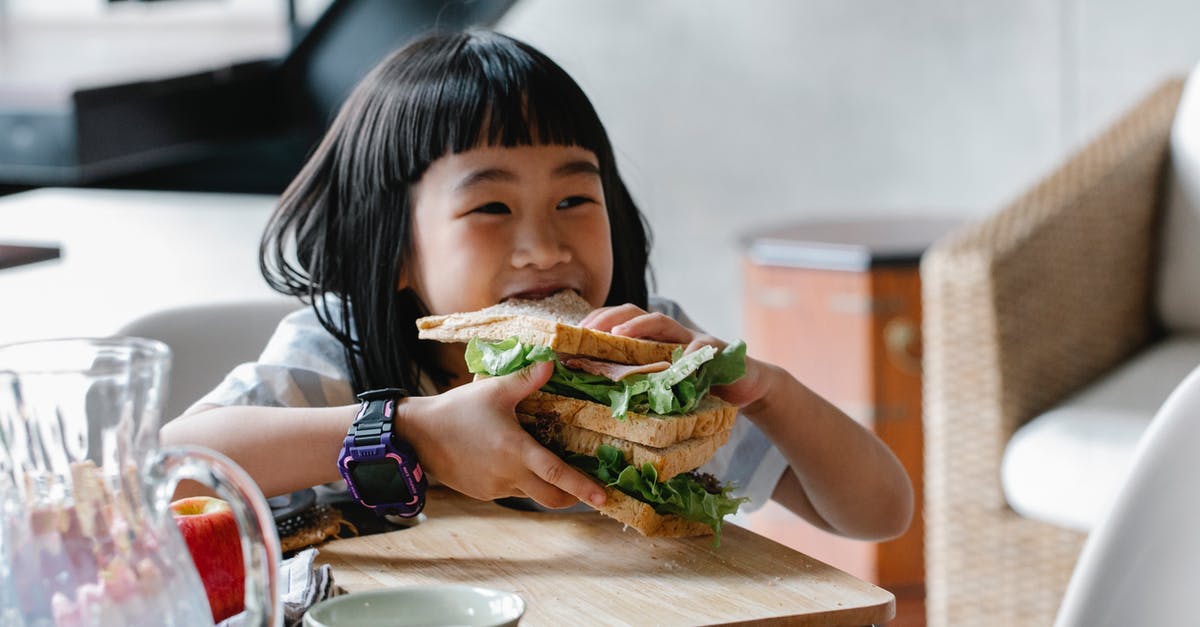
{"points": [[725, 116]]}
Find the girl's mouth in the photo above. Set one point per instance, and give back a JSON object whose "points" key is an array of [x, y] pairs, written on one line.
{"points": [[537, 293]]}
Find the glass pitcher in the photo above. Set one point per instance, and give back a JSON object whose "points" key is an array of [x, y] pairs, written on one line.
{"points": [[86, 532]]}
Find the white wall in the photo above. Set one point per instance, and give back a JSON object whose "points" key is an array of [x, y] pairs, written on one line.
{"points": [[158, 12], [732, 114]]}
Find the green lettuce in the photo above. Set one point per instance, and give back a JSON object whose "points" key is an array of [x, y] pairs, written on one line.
{"points": [[676, 390], [682, 495]]}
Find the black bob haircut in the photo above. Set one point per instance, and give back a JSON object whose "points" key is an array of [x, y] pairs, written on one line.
{"points": [[343, 227]]}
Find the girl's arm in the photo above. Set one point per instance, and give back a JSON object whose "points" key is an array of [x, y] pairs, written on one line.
{"points": [[283, 449], [468, 438], [841, 477]]}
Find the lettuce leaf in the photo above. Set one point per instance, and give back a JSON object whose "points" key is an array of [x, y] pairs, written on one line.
{"points": [[681, 495], [676, 390], [504, 357]]}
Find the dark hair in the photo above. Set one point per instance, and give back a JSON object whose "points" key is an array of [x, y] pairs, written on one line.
{"points": [[343, 225]]}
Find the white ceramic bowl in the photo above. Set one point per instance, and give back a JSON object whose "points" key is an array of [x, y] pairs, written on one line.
{"points": [[419, 605]]}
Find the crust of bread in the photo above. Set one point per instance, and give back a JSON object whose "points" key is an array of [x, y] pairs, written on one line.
{"points": [[668, 461], [642, 517], [550, 322], [712, 416]]}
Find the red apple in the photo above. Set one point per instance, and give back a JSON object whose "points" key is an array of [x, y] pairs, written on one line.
{"points": [[212, 537]]}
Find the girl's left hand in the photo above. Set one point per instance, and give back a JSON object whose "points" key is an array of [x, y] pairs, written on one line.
{"points": [[633, 321]]}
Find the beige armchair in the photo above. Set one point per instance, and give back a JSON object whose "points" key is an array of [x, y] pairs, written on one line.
{"points": [[1021, 311]]}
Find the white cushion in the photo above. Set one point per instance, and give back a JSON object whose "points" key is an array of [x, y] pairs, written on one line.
{"points": [[1179, 274], [1065, 466]]}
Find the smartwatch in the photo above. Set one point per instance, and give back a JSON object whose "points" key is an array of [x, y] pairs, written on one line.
{"points": [[382, 472]]}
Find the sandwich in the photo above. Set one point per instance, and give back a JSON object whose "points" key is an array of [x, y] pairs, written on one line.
{"points": [[634, 414]]}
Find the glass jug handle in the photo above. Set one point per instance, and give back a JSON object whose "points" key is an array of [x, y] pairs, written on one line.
{"points": [[260, 541]]}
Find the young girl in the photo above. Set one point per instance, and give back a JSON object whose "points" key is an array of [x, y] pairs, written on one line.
{"points": [[463, 170]]}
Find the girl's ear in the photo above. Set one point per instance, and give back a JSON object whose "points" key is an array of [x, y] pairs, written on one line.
{"points": [[407, 274], [404, 280]]}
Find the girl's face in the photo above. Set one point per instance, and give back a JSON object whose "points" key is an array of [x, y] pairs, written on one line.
{"points": [[492, 223]]}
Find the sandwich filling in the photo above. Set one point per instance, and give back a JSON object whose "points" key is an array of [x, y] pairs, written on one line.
{"points": [[664, 389], [694, 496], [689, 495]]}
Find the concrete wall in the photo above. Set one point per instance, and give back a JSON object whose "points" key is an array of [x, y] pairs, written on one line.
{"points": [[727, 115], [730, 114]]}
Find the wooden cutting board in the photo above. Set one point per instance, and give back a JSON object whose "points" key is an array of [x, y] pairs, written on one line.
{"points": [[577, 568]]}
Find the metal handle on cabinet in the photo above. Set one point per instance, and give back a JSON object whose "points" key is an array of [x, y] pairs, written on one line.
{"points": [[902, 339]]}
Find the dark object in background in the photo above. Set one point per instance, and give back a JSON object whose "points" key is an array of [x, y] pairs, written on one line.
{"points": [[240, 128], [12, 255], [96, 134]]}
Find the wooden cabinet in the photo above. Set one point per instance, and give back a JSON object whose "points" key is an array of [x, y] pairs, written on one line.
{"points": [[838, 305]]}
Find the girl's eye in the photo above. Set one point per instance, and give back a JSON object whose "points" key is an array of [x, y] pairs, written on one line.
{"points": [[572, 201], [493, 208]]}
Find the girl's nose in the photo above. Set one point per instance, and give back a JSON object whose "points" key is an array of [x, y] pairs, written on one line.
{"points": [[539, 245]]}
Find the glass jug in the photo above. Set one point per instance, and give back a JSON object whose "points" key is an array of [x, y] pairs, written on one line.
{"points": [[86, 532]]}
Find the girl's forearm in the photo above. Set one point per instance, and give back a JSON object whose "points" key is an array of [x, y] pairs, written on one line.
{"points": [[849, 479], [282, 449]]}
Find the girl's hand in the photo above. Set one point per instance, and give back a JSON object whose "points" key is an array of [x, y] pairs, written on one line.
{"points": [[469, 438], [633, 321]]}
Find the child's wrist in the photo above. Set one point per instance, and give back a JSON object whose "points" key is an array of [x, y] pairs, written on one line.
{"points": [[405, 419]]}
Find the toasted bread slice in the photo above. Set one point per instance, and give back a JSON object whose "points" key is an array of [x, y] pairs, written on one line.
{"points": [[712, 416], [642, 517], [550, 322], [668, 461]]}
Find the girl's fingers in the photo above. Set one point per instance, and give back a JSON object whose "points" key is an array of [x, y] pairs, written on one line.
{"points": [[654, 326], [561, 475], [516, 386], [546, 494], [587, 320], [606, 318], [703, 340]]}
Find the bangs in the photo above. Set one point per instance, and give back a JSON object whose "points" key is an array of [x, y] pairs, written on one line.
{"points": [[520, 97], [478, 89]]}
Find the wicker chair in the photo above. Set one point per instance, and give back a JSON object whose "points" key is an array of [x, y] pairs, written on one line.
{"points": [[1020, 311]]}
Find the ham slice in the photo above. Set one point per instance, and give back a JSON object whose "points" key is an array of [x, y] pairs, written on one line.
{"points": [[613, 371]]}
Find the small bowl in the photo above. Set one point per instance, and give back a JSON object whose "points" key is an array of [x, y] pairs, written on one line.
{"points": [[419, 605]]}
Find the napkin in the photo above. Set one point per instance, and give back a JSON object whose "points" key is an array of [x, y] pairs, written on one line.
{"points": [[300, 587]]}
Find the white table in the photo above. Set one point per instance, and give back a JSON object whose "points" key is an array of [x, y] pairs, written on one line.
{"points": [[125, 254]]}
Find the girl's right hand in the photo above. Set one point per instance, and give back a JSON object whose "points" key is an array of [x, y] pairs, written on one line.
{"points": [[469, 438]]}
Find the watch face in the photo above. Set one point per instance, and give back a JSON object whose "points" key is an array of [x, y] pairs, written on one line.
{"points": [[380, 482]]}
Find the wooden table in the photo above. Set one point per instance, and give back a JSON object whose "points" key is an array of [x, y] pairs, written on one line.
{"points": [[574, 568]]}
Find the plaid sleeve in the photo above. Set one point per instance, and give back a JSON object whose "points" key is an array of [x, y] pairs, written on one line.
{"points": [[303, 365]]}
